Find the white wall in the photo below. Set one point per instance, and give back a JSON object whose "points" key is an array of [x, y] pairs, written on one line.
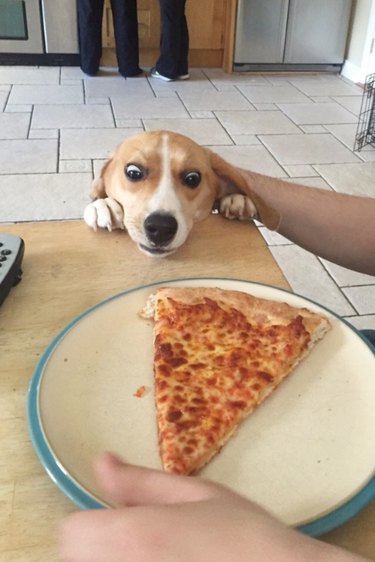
{"points": [[358, 63]]}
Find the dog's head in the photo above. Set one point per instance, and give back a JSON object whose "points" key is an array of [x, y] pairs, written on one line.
{"points": [[164, 182]]}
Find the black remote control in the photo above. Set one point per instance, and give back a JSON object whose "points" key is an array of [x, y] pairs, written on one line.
{"points": [[12, 248]]}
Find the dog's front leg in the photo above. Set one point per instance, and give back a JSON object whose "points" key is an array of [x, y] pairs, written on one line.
{"points": [[104, 213]]}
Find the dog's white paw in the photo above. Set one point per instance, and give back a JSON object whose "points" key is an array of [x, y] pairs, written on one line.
{"points": [[104, 213], [237, 206]]}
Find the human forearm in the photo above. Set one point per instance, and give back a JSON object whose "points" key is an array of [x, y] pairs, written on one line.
{"points": [[335, 226]]}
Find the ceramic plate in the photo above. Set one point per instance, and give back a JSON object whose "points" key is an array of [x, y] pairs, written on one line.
{"points": [[307, 454]]}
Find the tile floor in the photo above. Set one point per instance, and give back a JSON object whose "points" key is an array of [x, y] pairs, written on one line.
{"points": [[57, 126]]}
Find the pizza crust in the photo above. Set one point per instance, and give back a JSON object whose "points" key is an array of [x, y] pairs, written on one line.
{"points": [[256, 309]]}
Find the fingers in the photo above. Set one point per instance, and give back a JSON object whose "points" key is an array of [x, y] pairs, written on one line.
{"points": [[93, 536], [125, 484]]}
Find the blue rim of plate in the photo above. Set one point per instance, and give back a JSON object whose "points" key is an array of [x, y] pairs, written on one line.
{"points": [[83, 499]]}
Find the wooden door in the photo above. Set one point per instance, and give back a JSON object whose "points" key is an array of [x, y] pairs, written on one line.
{"points": [[208, 31]]}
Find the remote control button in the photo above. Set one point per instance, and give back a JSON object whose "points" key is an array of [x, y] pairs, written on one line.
{"points": [[3, 258], [1, 244], [5, 252]]}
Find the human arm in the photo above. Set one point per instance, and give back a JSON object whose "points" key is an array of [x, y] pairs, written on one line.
{"points": [[334, 226], [168, 518]]}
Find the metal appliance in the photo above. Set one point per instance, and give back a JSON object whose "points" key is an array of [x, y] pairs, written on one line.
{"points": [[38, 32], [291, 34]]}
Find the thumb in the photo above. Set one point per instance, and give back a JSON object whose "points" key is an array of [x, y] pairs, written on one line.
{"points": [[128, 485]]}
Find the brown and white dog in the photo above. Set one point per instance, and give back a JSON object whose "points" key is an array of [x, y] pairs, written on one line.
{"points": [[158, 184]]}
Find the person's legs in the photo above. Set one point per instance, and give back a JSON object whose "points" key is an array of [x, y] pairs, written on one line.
{"points": [[90, 15], [125, 23], [183, 65], [174, 39]]}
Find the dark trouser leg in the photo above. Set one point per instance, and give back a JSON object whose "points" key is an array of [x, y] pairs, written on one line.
{"points": [[174, 40], [90, 15], [369, 335], [125, 23]]}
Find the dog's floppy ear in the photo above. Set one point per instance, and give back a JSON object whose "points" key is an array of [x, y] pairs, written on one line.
{"points": [[98, 185], [231, 180]]}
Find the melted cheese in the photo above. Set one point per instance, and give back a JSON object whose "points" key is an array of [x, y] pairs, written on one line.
{"points": [[212, 368]]}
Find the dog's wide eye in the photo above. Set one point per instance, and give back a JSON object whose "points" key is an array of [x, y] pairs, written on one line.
{"points": [[191, 179], [133, 172]]}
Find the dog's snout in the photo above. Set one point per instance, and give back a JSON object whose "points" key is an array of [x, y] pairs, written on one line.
{"points": [[160, 228]]}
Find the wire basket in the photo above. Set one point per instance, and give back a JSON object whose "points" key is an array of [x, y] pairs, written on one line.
{"points": [[366, 125]]}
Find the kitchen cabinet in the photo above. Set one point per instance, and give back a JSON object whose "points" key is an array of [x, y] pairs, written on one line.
{"points": [[209, 32]]}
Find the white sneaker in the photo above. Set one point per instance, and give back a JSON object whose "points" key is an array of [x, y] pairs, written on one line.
{"points": [[155, 74]]}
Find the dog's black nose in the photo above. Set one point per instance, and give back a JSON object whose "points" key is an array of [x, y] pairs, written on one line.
{"points": [[160, 228]]}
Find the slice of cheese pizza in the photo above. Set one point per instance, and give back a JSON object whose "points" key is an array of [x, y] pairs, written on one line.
{"points": [[217, 355]]}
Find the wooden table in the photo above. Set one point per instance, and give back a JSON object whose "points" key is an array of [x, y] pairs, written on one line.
{"points": [[68, 268]]}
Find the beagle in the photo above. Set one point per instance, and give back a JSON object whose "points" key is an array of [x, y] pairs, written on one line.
{"points": [[157, 184]]}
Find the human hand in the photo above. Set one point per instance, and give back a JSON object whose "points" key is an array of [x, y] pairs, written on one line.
{"points": [[162, 517]]}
